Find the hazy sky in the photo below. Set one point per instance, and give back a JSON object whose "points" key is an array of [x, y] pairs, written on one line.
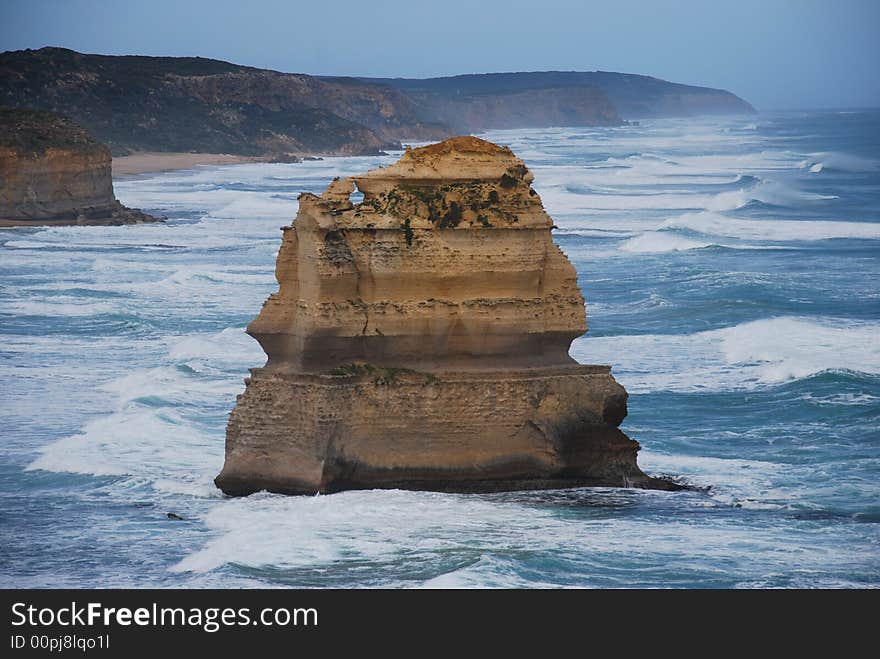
{"points": [[774, 53]]}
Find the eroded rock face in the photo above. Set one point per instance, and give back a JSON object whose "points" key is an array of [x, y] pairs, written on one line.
{"points": [[447, 263], [53, 172], [419, 339]]}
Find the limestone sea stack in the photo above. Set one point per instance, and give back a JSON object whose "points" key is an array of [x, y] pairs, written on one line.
{"points": [[419, 339], [53, 171]]}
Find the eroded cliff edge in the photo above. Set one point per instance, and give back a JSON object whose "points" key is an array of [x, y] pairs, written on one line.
{"points": [[419, 339], [53, 171]]}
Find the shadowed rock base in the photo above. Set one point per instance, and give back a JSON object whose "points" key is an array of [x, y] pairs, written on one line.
{"points": [[295, 433]]}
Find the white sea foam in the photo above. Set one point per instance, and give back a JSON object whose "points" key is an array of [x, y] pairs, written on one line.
{"points": [[137, 442], [847, 399], [230, 346], [565, 199], [172, 385], [472, 541], [652, 236], [151, 436], [25, 244], [596, 233], [108, 241], [733, 480], [386, 526], [488, 571], [559, 201], [660, 241], [286, 532], [768, 192], [844, 162], [61, 306], [744, 483], [750, 355], [772, 230]]}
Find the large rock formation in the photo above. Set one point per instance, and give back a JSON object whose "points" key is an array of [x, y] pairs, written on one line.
{"points": [[419, 339], [54, 172]]}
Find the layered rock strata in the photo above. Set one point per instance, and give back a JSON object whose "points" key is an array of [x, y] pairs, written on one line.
{"points": [[419, 339], [54, 172]]}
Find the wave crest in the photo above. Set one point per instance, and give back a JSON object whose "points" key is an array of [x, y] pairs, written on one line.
{"points": [[750, 355]]}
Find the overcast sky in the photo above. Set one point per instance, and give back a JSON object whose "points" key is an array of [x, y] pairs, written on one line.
{"points": [[776, 54]]}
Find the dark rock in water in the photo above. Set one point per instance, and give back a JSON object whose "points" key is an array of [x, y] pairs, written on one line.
{"points": [[174, 516], [285, 158], [54, 172], [420, 340]]}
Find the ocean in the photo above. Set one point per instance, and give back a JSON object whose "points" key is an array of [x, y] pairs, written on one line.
{"points": [[730, 268]]}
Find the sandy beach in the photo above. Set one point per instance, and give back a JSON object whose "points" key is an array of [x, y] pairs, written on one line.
{"points": [[151, 162]]}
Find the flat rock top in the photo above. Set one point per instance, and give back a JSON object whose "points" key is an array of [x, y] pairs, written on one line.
{"points": [[462, 182], [458, 158], [34, 131], [462, 144]]}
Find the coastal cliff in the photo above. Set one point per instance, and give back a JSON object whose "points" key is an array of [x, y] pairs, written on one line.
{"points": [[54, 172], [526, 108], [560, 98], [194, 104], [200, 105], [419, 339]]}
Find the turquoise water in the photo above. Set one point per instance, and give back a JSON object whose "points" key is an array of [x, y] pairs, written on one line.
{"points": [[731, 272]]}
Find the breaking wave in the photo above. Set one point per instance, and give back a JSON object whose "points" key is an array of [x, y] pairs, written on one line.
{"points": [[773, 230], [750, 355]]}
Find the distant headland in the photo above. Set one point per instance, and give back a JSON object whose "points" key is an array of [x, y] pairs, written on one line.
{"points": [[542, 99], [198, 105]]}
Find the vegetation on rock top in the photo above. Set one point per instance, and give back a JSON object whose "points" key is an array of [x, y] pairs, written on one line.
{"points": [[33, 131]]}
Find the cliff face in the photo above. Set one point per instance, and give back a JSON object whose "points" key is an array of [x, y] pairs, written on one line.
{"points": [[528, 108], [196, 104], [419, 339], [53, 171], [638, 96], [440, 265]]}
